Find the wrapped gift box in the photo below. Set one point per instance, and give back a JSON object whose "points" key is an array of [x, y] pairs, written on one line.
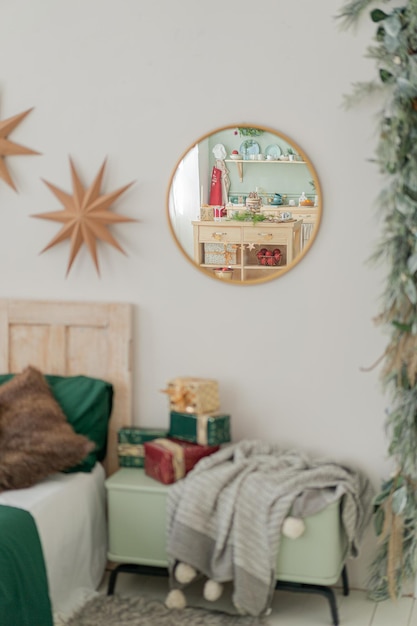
{"points": [[220, 253], [205, 429], [193, 395], [168, 460], [206, 213], [130, 444]]}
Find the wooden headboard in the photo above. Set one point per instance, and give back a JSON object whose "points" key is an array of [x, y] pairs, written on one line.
{"points": [[69, 339]]}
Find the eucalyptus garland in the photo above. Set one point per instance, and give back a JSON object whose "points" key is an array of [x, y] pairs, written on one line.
{"points": [[249, 132], [395, 508]]}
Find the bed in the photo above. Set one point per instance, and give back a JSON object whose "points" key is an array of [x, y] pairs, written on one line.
{"points": [[64, 340]]}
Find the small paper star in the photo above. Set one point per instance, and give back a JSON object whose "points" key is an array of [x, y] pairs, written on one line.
{"points": [[251, 246], [85, 216], [9, 148]]}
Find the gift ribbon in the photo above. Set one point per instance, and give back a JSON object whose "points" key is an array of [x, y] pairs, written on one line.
{"points": [[128, 449], [202, 421], [178, 459]]}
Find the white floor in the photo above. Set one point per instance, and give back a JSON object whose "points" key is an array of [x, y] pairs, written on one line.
{"points": [[289, 609]]}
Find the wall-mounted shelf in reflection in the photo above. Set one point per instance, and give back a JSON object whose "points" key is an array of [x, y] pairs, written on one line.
{"points": [[240, 162]]}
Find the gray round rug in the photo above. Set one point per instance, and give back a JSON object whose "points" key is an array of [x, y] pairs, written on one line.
{"points": [[140, 611]]}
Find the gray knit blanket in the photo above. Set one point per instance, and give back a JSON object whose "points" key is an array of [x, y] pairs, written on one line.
{"points": [[225, 517]]}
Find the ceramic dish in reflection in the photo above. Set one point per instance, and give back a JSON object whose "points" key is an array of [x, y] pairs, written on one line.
{"points": [[273, 151], [249, 147]]}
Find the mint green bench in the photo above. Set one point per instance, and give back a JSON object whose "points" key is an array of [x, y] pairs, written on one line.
{"points": [[136, 517]]}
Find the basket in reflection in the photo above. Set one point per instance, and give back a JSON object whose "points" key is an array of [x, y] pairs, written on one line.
{"points": [[269, 257]]}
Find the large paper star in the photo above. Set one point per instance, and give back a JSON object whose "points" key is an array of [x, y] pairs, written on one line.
{"points": [[85, 216], [9, 148]]}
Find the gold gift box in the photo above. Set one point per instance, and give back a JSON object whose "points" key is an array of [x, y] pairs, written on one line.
{"points": [[206, 213], [193, 395]]}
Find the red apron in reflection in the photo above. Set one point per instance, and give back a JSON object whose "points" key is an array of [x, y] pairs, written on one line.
{"points": [[216, 198]]}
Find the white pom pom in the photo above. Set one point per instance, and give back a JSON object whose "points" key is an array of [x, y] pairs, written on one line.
{"points": [[293, 527], [185, 573], [175, 599], [212, 590]]}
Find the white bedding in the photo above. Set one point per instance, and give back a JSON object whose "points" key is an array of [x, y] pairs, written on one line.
{"points": [[70, 513]]}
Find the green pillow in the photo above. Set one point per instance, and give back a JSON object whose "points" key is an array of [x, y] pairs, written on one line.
{"points": [[87, 404]]}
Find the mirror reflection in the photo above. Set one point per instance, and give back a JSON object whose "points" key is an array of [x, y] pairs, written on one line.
{"points": [[244, 204]]}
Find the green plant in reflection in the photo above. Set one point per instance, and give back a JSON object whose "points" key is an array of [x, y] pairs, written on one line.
{"points": [[248, 216], [249, 132]]}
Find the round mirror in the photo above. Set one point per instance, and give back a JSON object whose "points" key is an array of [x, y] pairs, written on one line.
{"points": [[244, 204]]}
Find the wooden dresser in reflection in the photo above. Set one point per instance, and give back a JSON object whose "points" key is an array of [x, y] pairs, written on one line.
{"points": [[237, 244]]}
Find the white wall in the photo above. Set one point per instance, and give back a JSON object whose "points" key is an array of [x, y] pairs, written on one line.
{"points": [[138, 82]]}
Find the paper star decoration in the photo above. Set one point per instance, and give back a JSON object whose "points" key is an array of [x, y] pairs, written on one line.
{"points": [[9, 148], [251, 246], [85, 216]]}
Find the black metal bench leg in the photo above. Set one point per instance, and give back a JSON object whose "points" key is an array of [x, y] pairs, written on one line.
{"points": [[345, 581], [134, 568], [327, 592], [112, 581]]}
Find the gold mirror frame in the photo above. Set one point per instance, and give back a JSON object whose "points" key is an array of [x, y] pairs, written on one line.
{"points": [[212, 243]]}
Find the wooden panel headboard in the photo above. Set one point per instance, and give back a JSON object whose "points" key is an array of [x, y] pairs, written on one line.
{"points": [[69, 339]]}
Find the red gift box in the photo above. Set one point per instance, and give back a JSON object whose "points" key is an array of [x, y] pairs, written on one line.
{"points": [[168, 460]]}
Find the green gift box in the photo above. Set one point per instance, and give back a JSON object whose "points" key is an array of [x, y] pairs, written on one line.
{"points": [[209, 429], [130, 448]]}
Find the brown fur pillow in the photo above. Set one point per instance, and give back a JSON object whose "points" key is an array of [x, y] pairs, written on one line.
{"points": [[35, 438]]}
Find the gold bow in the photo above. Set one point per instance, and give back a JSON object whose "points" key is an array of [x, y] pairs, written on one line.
{"points": [[180, 397]]}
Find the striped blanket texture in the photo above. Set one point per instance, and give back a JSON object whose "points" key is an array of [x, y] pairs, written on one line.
{"points": [[225, 517]]}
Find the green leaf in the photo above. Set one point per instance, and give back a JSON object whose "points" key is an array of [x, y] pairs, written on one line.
{"points": [[386, 76], [377, 15], [399, 481], [392, 26], [380, 498], [399, 500], [380, 34], [410, 192], [387, 485], [404, 205], [379, 521], [412, 263], [411, 291], [406, 328], [391, 43], [406, 87]]}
